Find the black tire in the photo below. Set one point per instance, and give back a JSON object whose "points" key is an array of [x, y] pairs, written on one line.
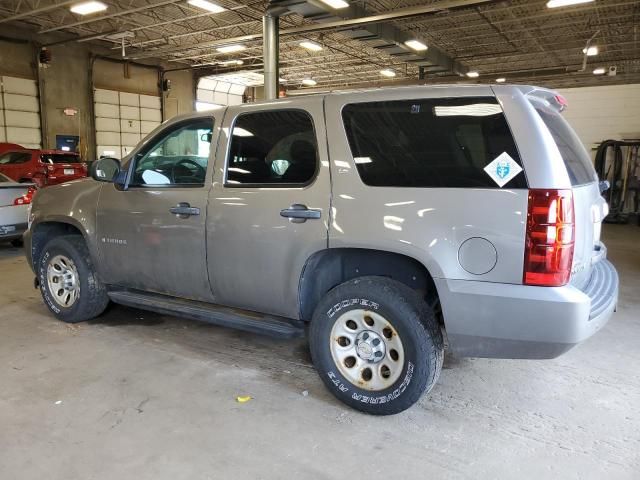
{"points": [[17, 243], [92, 297], [415, 324]]}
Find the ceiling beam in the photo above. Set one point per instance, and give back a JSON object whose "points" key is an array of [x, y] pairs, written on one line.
{"points": [[317, 27], [111, 15], [36, 11]]}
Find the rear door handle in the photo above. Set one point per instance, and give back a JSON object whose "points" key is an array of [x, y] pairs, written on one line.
{"points": [[184, 210], [298, 213]]}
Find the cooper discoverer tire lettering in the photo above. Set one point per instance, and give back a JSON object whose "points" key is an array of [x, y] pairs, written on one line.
{"points": [[376, 345]]}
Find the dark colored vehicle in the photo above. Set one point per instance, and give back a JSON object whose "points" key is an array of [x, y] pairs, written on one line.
{"points": [[42, 167]]}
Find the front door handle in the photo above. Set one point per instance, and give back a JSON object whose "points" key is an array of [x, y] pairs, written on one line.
{"points": [[184, 210], [298, 213]]}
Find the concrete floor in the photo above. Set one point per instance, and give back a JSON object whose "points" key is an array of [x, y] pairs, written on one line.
{"points": [[135, 395]]}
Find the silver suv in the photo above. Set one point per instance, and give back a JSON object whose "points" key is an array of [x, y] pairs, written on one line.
{"points": [[386, 223]]}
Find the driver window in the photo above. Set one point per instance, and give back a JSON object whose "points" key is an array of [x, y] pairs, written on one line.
{"points": [[179, 157]]}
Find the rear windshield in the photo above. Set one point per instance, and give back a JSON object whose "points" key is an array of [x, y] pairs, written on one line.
{"points": [[441, 142], [575, 156], [59, 158], [4, 179]]}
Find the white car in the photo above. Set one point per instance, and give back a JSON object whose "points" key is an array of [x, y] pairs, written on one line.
{"points": [[14, 203]]}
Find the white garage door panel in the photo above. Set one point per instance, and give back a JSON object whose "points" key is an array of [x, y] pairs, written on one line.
{"points": [[130, 138], [105, 96], [150, 114], [23, 135], [107, 110], [107, 125], [109, 151], [205, 95], [129, 126], [20, 86], [22, 119], [2, 137], [108, 138], [132, 113], [148, 127], [131, 99], [21, 103], [148, 101]]}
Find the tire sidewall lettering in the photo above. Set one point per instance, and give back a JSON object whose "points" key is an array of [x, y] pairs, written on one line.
{"points": [[362, 302]]}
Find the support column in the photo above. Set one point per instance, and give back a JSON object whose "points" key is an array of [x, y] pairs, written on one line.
{"points": [[271, 52]]}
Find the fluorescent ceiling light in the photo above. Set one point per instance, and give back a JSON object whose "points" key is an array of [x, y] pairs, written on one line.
{"points": [[231, 62], [241, 132], [85, 8], [591, 51], [336, 3], [565, 3], [231, 48], [387, 73], [310, 82], [313, 46], [473, 74], [206, 5], [416, 45], [599, 71], [501, 80], [471, 110]]}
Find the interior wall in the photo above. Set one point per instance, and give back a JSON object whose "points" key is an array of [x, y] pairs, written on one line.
{"points": [[130, 78], [181, 98], [64, 84], [17, 59], [603, 113]]}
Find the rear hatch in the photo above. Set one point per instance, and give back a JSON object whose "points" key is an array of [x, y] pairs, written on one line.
{"points": [[589, 206], [61, 165]]}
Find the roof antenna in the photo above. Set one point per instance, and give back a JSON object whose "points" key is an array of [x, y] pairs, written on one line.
{"points": [[586, 50]]}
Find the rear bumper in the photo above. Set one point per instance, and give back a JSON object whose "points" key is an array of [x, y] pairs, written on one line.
{"points": [[12, 232], [13, 222], [493, 320]]}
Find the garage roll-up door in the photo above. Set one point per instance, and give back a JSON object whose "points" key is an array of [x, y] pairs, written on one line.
{"points": [[20, 112], [123, 119]]}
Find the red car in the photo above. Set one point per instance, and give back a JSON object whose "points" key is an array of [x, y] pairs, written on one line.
{"points": [[42, 167]]}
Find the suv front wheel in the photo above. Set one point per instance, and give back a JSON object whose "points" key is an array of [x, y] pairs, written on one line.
{"points": [[376, 345], [68, 283]]}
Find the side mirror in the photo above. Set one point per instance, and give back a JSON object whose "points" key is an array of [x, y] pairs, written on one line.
{"points": [[105, 170]]}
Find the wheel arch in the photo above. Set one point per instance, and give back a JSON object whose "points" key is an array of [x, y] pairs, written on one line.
{"points": [[330, 267], [43, 231]]}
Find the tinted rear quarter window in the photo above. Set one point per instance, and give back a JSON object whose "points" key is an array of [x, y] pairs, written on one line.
{"points": [[444, 142], [15, 158], [272, 147], [576, 159]]}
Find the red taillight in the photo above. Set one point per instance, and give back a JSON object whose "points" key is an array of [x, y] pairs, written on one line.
{"points": [[550, 237], [26, 198]]}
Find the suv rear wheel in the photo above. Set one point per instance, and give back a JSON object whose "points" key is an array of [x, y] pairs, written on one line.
{"points": [[68, 283], [376, 345]]}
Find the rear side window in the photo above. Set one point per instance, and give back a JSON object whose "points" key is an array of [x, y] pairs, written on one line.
{"points": [[440, 142], [575, 156], [59, 158], [14, 158], [272, 147]]}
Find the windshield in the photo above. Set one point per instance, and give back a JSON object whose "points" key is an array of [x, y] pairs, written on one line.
{"points": [[59, 158], [575, 156]]}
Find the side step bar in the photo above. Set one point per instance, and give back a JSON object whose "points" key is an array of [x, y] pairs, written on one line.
{"points": [[248, 321]]}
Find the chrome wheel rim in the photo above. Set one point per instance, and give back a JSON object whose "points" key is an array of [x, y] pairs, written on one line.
{"points": [[63, 281], [367, 349]]}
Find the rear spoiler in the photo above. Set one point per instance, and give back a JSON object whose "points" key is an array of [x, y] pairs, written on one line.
{"points": [[551, 97]]}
